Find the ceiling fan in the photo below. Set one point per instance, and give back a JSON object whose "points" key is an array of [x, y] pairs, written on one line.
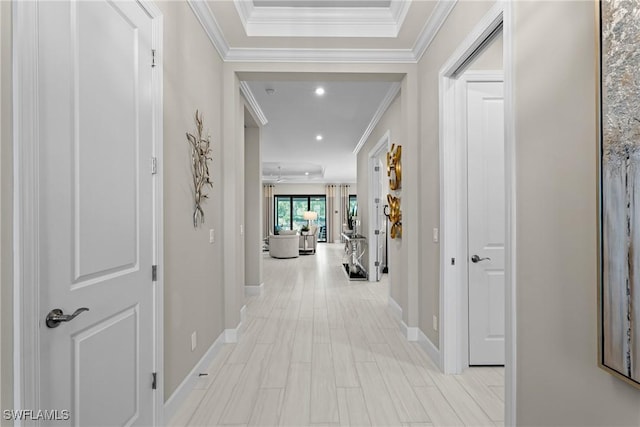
{"points": [[280, 179]]}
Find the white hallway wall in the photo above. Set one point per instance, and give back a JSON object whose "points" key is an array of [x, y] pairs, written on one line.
{"points": [[391, 121]]}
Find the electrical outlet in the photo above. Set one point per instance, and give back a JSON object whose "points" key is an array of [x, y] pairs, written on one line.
{"points": [[435, 322], [194, 340], [435, 235], [212, 236]]}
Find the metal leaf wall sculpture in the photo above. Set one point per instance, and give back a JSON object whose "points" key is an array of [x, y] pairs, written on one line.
{"points": [[200, 158]]}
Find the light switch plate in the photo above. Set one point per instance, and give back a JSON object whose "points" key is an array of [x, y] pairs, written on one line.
{"points": [[194, 340], [435, 322], [436, 235], [212, 236]]}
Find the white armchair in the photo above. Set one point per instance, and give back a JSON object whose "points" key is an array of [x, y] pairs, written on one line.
{"points": [[283, 246]]}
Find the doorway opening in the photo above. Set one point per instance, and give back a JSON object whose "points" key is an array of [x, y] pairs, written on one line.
{"points": [[477, 251], [378, 188]]}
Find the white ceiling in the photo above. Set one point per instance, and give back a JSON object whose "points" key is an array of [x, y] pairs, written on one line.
{"points": [[296, 115]]}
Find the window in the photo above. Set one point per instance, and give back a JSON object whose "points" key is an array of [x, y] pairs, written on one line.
{"points": [[290, 213]]}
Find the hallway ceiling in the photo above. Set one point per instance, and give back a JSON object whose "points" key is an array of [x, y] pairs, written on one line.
{"points": [[296, 116]]}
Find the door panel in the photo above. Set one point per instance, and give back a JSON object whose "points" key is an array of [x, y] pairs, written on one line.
{"points": [[92, 388], [486, 222], [96, 236], [105, 135]]}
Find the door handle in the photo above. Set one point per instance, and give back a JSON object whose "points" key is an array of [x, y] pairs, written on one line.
{"points": [[476, 258], [56, 316]]}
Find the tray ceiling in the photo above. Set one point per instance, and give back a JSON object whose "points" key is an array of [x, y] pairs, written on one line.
{"points": [[308, 19]]}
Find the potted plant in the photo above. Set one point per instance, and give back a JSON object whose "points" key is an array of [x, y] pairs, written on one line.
{"points": [[304, 229]]}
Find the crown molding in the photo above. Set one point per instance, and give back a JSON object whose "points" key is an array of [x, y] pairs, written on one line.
{"points": [[384, 106], [321, 55], [399, 10], [208, 21], [322, 21], [439, 14], [253, 102], [398, 7]]}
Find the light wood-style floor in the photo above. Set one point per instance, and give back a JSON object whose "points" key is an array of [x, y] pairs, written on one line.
{"points": [[318, 349]]}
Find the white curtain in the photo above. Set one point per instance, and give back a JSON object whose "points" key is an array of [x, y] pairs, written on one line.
{"points": [[331, 194], [344, 202], [268, 216]]}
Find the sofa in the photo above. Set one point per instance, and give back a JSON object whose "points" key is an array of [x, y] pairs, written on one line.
{"points": [[284, 246]]}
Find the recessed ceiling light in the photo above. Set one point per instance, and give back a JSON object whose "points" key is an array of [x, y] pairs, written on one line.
{"points": [[270, 91], [318, 137], [306, 173], [319, 91]]}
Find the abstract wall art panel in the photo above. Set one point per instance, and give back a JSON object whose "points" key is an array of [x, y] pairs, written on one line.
{"points": [[619, 117]]}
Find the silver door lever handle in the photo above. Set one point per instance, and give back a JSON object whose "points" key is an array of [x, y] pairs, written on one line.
{"points": [[56, 316], [476, 258]]}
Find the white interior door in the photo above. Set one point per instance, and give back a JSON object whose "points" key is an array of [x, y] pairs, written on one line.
{"points": [[95, 213], [486, 222]]}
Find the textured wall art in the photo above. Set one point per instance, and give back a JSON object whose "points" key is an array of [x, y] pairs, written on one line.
{"points": [[619, 292], [200, 158], [395, 216], [394, 172], [394, 167]]}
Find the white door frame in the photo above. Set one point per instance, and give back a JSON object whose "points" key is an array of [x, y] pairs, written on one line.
{"points": [[26, 282], [383, 145], [460, 116], [453, 248]]}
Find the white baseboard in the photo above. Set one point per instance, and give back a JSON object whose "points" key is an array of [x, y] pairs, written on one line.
{"points": [[243, 315], [251, 290], [177, 398], [410, 332], [430, 349], [233, 335], [396, 310]]}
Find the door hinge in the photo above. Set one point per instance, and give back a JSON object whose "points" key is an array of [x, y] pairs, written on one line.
{"points": [[153, 58], [154, 273], [376, 232], [376, 168], [154, 381], [453, 261], [154, 165], [376, 200], [377, 263]]}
